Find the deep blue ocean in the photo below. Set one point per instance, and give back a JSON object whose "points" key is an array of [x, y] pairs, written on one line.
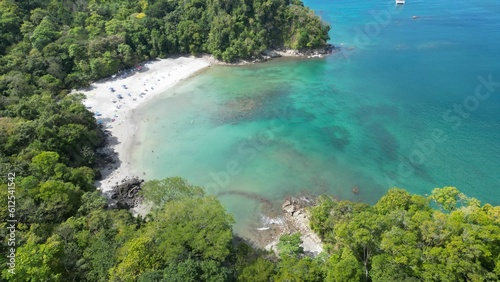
{"points": [[409, 102]]}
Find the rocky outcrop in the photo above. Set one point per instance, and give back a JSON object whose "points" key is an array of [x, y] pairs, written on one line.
{"points": [[126, 195], [294, 218], [297, 220], [271, 54], [277, 53], [288, 208], [316, 52]]}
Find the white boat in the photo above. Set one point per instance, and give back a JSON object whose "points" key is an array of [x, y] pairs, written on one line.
{"points": [[400, 2]]}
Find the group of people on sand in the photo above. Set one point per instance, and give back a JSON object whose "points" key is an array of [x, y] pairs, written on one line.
{"points": [[141, 95]]}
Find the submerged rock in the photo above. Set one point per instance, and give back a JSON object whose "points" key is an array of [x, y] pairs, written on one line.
{"points": [[355, 189]]}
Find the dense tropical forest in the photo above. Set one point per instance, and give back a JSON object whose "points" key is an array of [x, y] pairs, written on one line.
{"points": [[444, 237], [64, 230], [63, 44], [188, 237]]}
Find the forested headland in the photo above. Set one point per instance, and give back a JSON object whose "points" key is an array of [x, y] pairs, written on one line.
{"points": [[48, 142], [64, 44], [188, 236]]}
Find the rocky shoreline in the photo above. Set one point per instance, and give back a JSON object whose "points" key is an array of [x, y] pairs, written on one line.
{"points": [[270, 54], [294, 218], [303, 53]]}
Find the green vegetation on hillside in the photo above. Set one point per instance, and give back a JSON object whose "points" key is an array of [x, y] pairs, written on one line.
{"points": [[48, 140], [444, 237], [188, 237], [52, 45]]}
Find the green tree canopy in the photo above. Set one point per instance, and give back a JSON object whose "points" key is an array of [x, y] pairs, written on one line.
{"points": [[401, 238], [160, 192], [290, 246]]}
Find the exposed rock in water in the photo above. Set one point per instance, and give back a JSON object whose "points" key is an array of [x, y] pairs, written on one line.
{"points": [[126, 194], [355, 189]]}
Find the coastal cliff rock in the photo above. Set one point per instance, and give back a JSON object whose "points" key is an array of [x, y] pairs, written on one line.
{"points": [[126, 194], [316, 52], [271, 54], [297, 220], [275, 53], [294, 218]]}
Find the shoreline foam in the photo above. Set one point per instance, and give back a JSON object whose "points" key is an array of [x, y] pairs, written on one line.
{"points": [[116, 115]]}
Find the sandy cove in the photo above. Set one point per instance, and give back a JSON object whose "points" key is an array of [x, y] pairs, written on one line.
{"points": [[115, 113]]}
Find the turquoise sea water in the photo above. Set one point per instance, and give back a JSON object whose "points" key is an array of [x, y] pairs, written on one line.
{"points": [[402, 104]]}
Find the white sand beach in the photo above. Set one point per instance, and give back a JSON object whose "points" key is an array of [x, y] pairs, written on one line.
{"points": [[115, 113]]}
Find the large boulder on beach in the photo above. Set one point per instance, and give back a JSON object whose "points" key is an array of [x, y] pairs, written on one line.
{"points": [[126, 195], [288, 207]]}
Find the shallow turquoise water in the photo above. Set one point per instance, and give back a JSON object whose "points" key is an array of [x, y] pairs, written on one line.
{"points": [[388, 110]]}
